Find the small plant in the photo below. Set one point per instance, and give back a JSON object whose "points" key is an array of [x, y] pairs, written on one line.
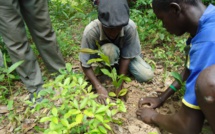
{"points": [[116, 79], [73, 107], [6, 77], [178, 78]]}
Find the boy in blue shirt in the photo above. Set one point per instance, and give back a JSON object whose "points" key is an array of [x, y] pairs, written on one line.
{"points": [[179, 17]]}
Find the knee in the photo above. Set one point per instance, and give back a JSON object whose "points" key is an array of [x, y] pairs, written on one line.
{"points": [[141, 70], [144, 77], [205, 84], [112, 51]]}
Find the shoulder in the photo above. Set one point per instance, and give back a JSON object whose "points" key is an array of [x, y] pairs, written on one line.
{"points": [[205, 35], [206, 29], [131, 25], [92, 28]]}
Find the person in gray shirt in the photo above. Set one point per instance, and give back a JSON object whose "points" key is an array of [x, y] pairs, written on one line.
{"points": [[119, 40]]}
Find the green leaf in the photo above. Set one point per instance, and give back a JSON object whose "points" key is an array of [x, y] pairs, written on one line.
{"points": [[44, 119], [71, 112], [11, 76], [161, 36], [119, 122], [112, 94], [105, 58], [108, 112], [54, 111], [88, 113], [65, 14], [2, 77], [106, 72], [65, 122], [95, 60], [114, 111], [73, 125], [101, 109], [10, 105], [95, 123], [123, 92], [115, 83], [98, 45], [68, 67], [79, 118], [14, 66], [52, 132], [89, 89], [125, 78], [102, 129], [93, 96], [52, 126], [107, 126], [94, 105], [114, 74], [66, 81], [99, 117], [80, 81], [75, 104], [55, 120], [122, 108], [83, 103], [88, 50], [94, 131], [119, 83], [177, 76]]}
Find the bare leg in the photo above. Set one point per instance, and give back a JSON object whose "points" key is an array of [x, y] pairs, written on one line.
{"points": [[205, 92]]}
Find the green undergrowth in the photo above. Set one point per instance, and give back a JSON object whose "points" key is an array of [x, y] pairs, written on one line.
{"points": [[72, 106]]}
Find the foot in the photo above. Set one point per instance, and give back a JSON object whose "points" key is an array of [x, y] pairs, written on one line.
{"points": [[35, 95]]}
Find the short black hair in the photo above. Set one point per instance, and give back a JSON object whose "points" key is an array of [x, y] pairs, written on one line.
{"points": [[164, 4]]}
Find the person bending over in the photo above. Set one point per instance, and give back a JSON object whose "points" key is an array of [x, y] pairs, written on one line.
{"points": [[119, 40], [198, 103]]}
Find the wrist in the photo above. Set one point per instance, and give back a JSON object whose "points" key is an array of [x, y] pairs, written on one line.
{"points": [[98, 87], [173, 88], [161, 98]]}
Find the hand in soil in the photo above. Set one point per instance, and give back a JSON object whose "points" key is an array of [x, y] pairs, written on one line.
{"points": [[146, 115], [103, 95], [150, 102]]}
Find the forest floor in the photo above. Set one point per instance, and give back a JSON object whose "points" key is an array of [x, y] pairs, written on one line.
{"points": [[23, 123]]}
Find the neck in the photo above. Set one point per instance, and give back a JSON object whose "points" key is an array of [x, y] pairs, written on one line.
{"points": [[193, 14]]}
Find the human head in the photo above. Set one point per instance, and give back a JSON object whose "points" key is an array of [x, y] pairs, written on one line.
{"points": [[113, 14], [164, 5], [175, 14]]}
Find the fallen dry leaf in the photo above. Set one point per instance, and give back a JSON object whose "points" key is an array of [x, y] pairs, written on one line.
{"points": [[3, 109]]}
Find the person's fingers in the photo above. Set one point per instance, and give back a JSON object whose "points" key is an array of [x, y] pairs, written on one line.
{"points": [[138, 112], [141, 102], [104, 101], [139, 117], [98, 100]]}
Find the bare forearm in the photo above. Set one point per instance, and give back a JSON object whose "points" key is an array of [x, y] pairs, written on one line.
{"points": [[168, 122], [169, 91], [123, 66], [93, 79]]}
